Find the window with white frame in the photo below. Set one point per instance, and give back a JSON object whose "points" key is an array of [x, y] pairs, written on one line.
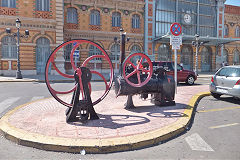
{"points": [[135, 21], [236, 57], [42, 5], [225, 55], [94, 51], [9, 48], [115, 53], [95, 17], [8, 3], [226, 30], [72, 16], [237, 32], [135, 49], [116, 19], [164, 53]]}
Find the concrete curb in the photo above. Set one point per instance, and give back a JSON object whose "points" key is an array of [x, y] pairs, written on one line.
{"points": [[107, 145]]}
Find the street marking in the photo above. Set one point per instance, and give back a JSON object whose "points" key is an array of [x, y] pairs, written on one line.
{"points": [[226, 125], [220, 109], [37, 98], [7, 103], [197, 143]]}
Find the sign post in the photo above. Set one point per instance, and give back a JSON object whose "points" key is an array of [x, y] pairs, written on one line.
{"points": [[76, 56], [175, 41]]}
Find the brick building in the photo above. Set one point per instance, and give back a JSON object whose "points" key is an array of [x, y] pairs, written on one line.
{"points": [[231, 51], [50, 22]]}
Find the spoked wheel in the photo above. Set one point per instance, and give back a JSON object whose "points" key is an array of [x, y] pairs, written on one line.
{"points": [[137, 74], [71, 47]]}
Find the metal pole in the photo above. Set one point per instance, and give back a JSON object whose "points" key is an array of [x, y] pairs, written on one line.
{"points": [[196, 64], [122, 55], [175, 69], [18, 74]]}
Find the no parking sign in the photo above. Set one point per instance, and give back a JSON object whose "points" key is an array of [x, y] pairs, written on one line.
{"points": [[176, 29]]}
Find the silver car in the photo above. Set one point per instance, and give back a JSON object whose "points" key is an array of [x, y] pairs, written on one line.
{"points": [[226, 81]]}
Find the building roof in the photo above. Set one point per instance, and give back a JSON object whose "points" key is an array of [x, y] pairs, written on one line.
{"points": [[187, 39]]}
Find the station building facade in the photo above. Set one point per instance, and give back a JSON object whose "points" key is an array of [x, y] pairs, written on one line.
{"points": [[205, 18], [51, 22], [147, 23]]}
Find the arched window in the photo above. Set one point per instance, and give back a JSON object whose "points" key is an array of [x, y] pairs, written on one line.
{"points": [[95, 17], [42, 5], [205, 59], [42, 54], [94, 51], [226, 30], [8, 3], [225, 55], [237, 32], [236, 57], [67, 52], [95, 63], [164, 53], [115, 54], [187, 57], [116, 19], [135, 21], [135, 49], [72, 16], [9, 48]]}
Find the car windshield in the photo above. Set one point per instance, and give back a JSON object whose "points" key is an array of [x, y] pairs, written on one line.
{"points": [[229, 72]]}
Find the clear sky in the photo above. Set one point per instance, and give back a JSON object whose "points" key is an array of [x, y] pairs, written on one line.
{"points": [[233, 2]]}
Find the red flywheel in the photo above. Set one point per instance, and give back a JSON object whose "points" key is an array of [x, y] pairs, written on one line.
{"points": [[57, 64]]}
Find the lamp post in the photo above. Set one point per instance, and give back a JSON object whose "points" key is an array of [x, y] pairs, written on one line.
{"points": [[18, 35], [196, 44]]}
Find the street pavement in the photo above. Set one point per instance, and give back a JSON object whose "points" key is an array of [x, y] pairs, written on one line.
{"points": [[43, 125]]}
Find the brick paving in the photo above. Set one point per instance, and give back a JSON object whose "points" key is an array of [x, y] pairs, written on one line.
{"points": [[47, 117]]}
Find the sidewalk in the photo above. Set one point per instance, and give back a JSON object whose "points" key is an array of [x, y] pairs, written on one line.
{"points": [[44, 124], [35, 78], [58, 78]]}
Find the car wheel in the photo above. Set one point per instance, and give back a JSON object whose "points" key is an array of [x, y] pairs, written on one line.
{"points": [[215, 95], [190, 80]]}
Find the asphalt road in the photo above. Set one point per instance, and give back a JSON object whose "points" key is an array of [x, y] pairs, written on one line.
{"points": [[214, 133]]}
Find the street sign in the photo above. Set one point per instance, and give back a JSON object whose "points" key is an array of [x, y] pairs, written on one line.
{"points": [[176, 29], [76, 53], [176, 40]]}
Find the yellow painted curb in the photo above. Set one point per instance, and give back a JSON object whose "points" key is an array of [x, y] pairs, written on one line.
{"points": [[107, 145]]}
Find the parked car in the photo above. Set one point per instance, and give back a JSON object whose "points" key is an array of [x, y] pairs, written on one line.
{"points": [[183, 75], [226, 81]]}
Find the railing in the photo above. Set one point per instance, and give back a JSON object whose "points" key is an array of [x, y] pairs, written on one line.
{"points": [[42, 14], [95, 27], [7, 11], [136, 30], [116, 29], [71, 26]]}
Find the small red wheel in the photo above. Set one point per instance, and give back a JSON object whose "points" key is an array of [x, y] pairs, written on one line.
{"points": [[139, 75], [53, 61]]}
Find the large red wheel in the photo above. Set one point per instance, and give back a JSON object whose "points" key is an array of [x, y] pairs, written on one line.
{"points": [[142, 68], [52, 63]]}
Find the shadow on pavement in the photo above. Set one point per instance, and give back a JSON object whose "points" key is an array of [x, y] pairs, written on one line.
{"points": [[115, 121]]}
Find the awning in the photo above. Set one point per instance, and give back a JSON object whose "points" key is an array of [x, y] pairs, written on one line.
{"points": [[186, 39]]}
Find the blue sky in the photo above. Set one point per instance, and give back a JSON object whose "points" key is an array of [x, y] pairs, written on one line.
{"points": [[233, 2]]}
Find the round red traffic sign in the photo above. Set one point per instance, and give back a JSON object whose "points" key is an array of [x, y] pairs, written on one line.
{"points": [[176, 29]]}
